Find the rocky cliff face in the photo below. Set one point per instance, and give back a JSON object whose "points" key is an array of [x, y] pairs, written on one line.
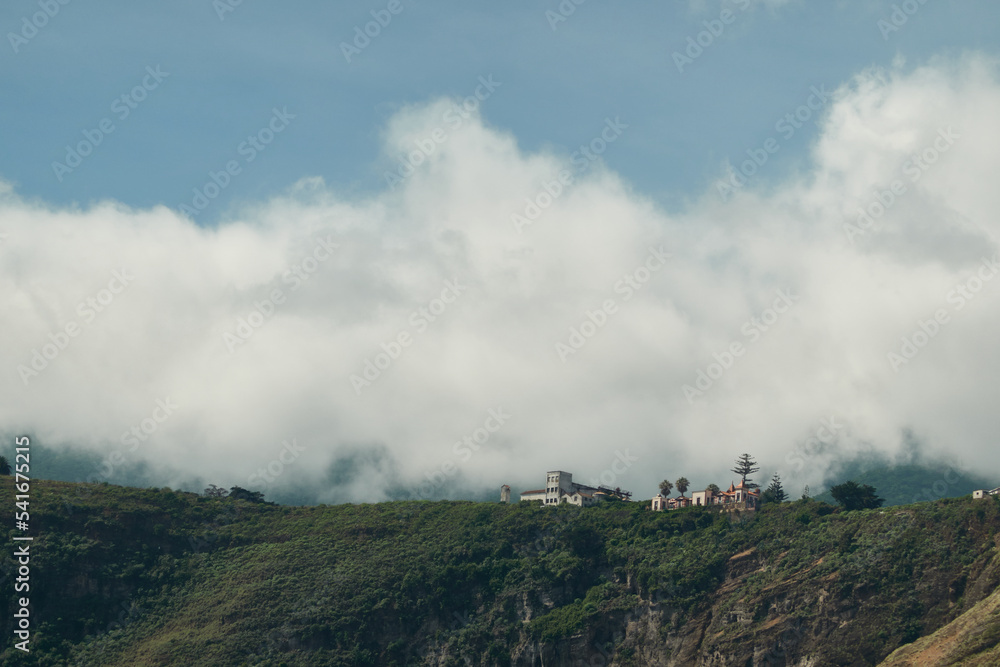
{"points": [[761, 617], [972, 639], [134, 576]]}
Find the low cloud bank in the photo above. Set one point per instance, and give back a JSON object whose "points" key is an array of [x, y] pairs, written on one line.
{"points": [[497, 314]]}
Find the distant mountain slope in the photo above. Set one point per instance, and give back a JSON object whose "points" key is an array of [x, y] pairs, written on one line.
{"points": [[124, 576], [909, 483]]}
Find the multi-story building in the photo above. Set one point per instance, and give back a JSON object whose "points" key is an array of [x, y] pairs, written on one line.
{"points": [[560, 488]]}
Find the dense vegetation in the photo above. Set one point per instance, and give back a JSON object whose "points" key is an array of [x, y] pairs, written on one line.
{"points": [[187, 579]]}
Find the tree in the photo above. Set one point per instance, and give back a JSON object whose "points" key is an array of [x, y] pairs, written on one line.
{"points": [[682, 485], [714, 488], [745, 466], [4, 466], [214, 491], [856, 497], [239, 493], [774, 493], [805, 493], [665, 488]]}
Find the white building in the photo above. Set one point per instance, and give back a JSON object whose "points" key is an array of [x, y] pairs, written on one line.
{"points": [[706, 497], [739, 496], [560, 488], [982, 493]]}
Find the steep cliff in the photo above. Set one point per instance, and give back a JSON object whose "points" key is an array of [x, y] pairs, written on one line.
{"points": [[126, 576], [971, 640]]}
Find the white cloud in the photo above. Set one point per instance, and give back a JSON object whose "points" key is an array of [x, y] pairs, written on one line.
{"points": [[494, 345]]}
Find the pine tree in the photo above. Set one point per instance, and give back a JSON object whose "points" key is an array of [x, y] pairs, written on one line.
{"points": [[775, 493], [745, 466]]}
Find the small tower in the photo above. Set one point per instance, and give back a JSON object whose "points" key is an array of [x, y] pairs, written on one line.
{"points": [[505, 494]]}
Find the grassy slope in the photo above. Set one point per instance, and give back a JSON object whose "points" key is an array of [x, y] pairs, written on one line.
{"points": [[206, 581], [972, 639]]}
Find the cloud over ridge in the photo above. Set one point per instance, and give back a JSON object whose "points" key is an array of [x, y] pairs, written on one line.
{"points": [[379, 333]]}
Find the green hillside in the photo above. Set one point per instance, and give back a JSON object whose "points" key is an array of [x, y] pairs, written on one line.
{"points": [[903, 484], [188, 580]]}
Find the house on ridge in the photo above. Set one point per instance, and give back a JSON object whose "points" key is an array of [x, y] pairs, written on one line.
{"points": [[560, 488], [737, 496]]}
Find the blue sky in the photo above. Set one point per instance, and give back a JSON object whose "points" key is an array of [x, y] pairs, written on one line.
{"points": [[225, 76], [618, 312]]}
